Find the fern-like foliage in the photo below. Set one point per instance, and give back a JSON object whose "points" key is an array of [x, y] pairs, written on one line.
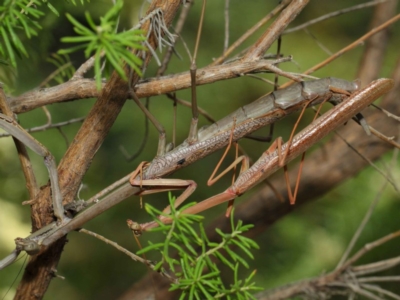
{"points": [[195, 266], [17, 16], [104, 40]]}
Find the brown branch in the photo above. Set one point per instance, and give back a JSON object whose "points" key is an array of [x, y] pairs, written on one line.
{"points": [[75, 163], [86, 88]]}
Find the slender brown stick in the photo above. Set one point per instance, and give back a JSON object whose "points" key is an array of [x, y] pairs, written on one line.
{"points": [[133, 256], [226, 17], [334, 14], [48, 126], [86, 88]]}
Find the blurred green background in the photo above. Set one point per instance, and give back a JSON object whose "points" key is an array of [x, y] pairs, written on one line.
{"points": [[306, 243]]}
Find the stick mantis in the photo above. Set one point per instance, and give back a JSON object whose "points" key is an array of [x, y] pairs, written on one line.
{"points": [[270, 161]]}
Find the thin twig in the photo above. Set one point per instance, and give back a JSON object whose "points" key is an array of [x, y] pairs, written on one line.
{"points": [[369, 161], [49, 126], [130, 157], [133, 256], [375, 48], [379, 279], [350, 46], [333, 14], [376, 266], [380, 291], [362, 225], [367, 248], [182, 102], [226, 17], [109, 189], [358, 290], [250, 32]]}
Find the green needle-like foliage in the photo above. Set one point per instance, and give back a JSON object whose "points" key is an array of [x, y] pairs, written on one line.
{"points": [[17, 16], [195, 265], [103, 40], [20, 17]]}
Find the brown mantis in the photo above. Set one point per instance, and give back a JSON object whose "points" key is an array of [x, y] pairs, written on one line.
{"points": [[270, 161]]}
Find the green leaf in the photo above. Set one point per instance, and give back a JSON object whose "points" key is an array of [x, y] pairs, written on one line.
{"points": [[112, 57], [240, 259], [24, 24], [114, 11], [97, 70], [70, 50], [150, 248], [78, 25], [224, 260], [53, 9], [90, 21], [16, 41], [246, 241], [158, 265], [8, 47], [244, 249], [76, 39], [247, 227]]}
